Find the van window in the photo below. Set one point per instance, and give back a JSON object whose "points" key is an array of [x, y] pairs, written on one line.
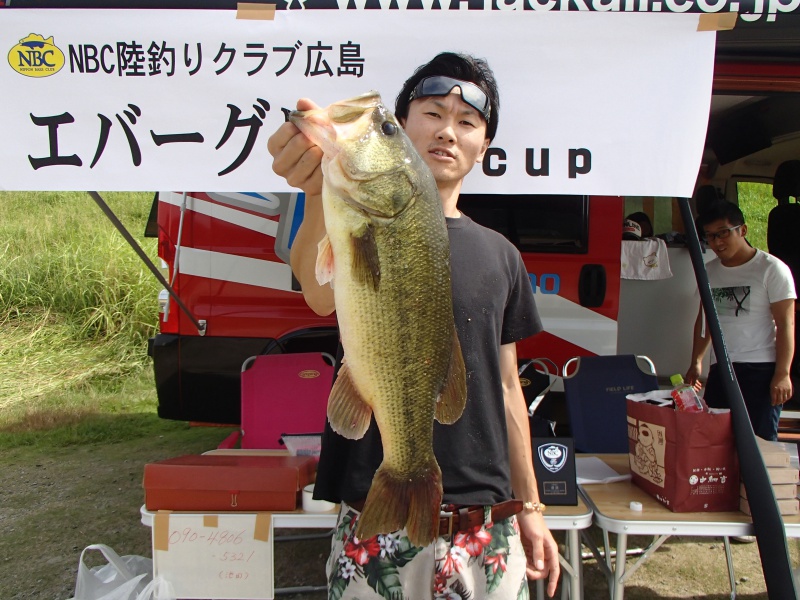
{"points": [[756, 201], [533, 223]]}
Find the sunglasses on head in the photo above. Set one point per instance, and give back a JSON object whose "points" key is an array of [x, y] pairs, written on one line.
{"points": [[442, 86]]}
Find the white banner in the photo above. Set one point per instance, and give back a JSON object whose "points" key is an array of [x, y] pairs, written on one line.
{"points": [[591, 103]]}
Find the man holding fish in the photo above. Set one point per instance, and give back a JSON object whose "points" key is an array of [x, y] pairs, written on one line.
{"points": [[428, 444]]}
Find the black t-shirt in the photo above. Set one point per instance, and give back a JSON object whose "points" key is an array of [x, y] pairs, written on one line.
{"points": [[493, 304]]}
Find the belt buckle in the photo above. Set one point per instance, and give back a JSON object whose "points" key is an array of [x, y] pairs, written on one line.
{"points": [[449, 516]]}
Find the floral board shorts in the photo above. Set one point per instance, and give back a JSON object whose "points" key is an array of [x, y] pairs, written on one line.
{"points": [[486, 562]]}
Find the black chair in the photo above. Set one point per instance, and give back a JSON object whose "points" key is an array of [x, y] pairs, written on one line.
{"points": [[595, 395]]}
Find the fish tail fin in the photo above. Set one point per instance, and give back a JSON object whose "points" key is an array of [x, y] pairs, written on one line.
{"points": [[425, 505], [396, 501], [453, 397]]}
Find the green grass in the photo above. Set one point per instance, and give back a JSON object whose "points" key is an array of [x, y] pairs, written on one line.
{"points": [[755, 200], [102, 412], [76, 306]]}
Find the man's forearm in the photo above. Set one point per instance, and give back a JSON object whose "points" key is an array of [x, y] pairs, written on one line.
{"points": [[699, 348], [700, 342], [303, 258], [781, 384], [784, 341], [523, 479]]}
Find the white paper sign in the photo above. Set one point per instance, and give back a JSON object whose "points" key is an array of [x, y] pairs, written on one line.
{"points": [[591, 103], [215, 556]]}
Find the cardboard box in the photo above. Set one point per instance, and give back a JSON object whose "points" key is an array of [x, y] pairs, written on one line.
{"points": [[786, 506], [213, 482], [775, 454], [782, 475], [781, 491]]}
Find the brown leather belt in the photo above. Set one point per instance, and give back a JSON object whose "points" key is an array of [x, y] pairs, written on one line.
{"points": [[463, 518]]}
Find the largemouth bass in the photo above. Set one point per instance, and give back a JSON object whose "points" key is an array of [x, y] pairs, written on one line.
{"points": [[387, 256]]}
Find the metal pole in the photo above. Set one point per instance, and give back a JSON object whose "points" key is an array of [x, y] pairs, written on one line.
{"points": [[201, 325], [767, 521]]}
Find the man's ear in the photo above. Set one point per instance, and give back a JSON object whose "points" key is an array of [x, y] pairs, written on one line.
{"points": [[743, 229], [484, 148]]}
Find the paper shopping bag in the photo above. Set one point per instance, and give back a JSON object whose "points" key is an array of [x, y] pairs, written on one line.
{"points": [[687, 461]]}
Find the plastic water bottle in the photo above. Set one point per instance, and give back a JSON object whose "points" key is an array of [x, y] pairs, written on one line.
{"points": [[685, 396]]}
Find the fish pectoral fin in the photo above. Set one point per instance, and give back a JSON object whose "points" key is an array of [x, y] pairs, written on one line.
{"points": [[453, 397], [348, 412], [324, 267], [366, 262], [395, 501]]}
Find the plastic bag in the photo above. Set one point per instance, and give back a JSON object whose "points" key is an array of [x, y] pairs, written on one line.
{"points": [[158, 589], [123, 578]]}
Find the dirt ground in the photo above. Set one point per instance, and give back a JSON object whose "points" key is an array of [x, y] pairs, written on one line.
{"points": [[52, 506]]}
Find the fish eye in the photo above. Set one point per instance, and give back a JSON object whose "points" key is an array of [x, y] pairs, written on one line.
{"points": [[388, 128]]}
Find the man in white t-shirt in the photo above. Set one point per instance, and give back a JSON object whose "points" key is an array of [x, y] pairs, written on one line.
{"points": [[754, 296]]}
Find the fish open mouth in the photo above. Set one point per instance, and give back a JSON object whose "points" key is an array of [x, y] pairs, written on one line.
{"points": [[320, 125], [316, 126]]}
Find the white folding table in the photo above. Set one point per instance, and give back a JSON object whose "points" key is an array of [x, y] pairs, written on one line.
{"points": [[610, 503]]}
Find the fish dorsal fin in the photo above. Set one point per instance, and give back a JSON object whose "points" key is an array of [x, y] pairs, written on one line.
{"points": [[366, 262], [348, 413], [324, 266], [450, 403]]}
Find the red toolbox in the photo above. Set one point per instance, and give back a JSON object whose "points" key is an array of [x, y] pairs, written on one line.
{"points": [[213, 482]]}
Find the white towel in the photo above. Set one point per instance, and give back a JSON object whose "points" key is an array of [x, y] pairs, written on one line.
{"points": [[645, 259]]}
